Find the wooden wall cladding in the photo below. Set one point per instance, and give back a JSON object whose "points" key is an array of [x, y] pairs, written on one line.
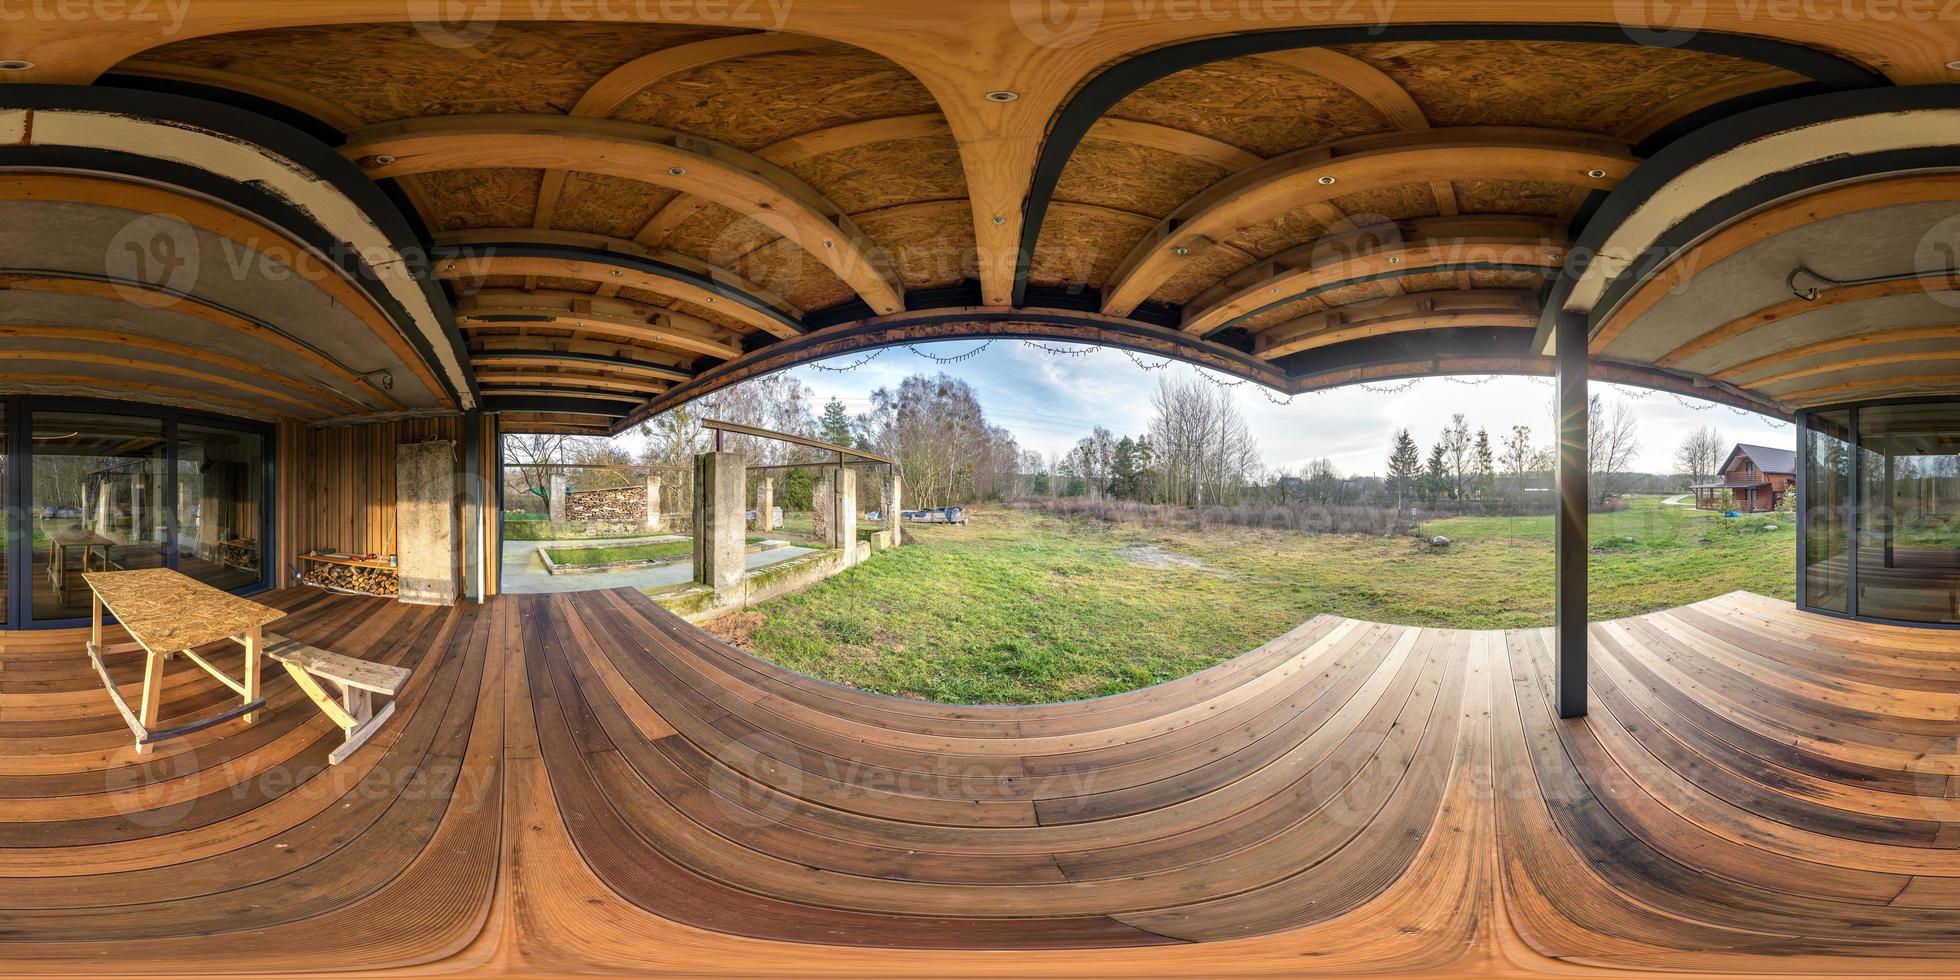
{"points": [[337, 485]]}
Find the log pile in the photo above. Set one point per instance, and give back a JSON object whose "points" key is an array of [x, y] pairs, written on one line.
{"points": [[624, 505], [352, 578]]}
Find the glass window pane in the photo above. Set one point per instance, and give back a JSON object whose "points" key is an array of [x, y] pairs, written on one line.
{"points": [[220, 510], [97, 502], [1909, 515], [1826, 503]]}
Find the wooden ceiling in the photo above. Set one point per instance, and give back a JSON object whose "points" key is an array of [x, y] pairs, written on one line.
{"points": [[627, 214]]}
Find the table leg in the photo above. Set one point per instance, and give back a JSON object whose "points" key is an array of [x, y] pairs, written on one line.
{"points": [[95, 622], [254, 639], [152, 695]]}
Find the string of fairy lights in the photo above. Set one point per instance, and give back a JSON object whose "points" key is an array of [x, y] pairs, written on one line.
{"points": [[1379, 388]]}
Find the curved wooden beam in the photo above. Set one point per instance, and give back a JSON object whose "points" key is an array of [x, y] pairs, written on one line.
{"points": [[1853, 363], [1508, 308], [519, 343], [1321, 174], [211, 382], [1783, 217], [665, 273], [1403, 247], [636, 76], [55, 282], [1373, 85], [739, 181], [1916, 382], [558, 379], [558, 359], [604, 396], [1184, 143], [1797, 306], [123, 340], [202, 396], [245, 232], [1873, 339], [583, 311]]}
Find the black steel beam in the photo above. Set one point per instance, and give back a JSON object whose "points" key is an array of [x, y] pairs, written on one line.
{"points": [[570, 404], [1569, 631]]}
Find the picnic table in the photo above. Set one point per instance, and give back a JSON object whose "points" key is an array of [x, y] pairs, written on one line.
{"points": [[58, 545], [167, 613]]}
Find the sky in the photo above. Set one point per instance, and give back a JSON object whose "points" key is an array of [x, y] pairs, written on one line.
{"points": [[1050, 400]]}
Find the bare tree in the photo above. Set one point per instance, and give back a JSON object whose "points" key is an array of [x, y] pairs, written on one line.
{"points": [[1455, 442], [1700, 454], [1611, 443], [1204, 449], [1518, 457]]}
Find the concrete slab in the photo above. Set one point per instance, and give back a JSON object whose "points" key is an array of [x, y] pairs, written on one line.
{"points": [[524, 572]]}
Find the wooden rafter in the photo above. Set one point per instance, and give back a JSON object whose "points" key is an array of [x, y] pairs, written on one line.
{"points": [[1373, 85], [551, 359], [561, 379], [1797, 306], [739, 181], [1505, 308], [118, 340], [583, 311], [304, 406], [1323, 173], [1876, 338], [1403, 247]]}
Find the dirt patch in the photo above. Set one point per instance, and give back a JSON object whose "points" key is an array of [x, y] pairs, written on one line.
{"points": [[737, 629], [1152, 556]]}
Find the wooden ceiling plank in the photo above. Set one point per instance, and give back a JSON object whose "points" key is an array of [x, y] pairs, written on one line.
{"points": [[621, 365], [558, 379], [493, 308], [213, 382], [1195, 146], [1797, 306], [739, 181], [621, 84], [1875, 338], [123, 340], [1321, 174], [1503, 308], [1363, 79]]}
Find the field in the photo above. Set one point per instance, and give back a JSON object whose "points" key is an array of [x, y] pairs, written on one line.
{"points": [[1022, 608]]}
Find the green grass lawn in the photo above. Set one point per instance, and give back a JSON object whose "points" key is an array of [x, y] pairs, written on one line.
{"points": [[607, 554], [1024, 608]]}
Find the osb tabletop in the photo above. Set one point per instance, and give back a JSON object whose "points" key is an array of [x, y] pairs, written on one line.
{"points": [[167, 611], [77, 538]]}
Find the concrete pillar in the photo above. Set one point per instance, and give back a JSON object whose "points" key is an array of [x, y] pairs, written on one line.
{"points": [[820, 507], [654, 518], [425, 522], [556, 500], [1571, 547], [765, 501], [891, 504], [718, 519], [843, 509]]}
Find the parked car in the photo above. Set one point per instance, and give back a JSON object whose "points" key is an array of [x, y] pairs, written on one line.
{"points": [[935, 515]]}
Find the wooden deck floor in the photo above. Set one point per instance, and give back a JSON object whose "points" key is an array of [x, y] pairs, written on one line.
{"points": [[586, 783]]}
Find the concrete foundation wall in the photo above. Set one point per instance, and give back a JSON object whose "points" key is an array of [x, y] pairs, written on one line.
{"points": [[425, 522], [765, 504], [699, 603]]}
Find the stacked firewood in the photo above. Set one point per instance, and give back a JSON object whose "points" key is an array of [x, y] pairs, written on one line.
{"points": [[353, 578], [622, 504]]}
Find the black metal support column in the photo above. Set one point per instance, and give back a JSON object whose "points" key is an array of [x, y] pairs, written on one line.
{"points": [[1570, 632]]}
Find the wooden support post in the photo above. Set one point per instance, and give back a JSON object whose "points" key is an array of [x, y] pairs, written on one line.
{"points": [[1571, 340], [152, 705], [254, 646], [95, 622]]}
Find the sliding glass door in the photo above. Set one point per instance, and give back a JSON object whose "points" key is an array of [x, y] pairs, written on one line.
{"points": [[1881, 512], [108, 486]]}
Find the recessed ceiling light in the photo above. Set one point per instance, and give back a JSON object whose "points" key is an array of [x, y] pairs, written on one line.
{"points": [[614, 273], [1181, 250], [1002, 95], [827, 243], [1325, 180], [15, 64], [1595, 174], [1953, 65], [677, 171], [1394, 260], [1000, 219], [383, 159]]}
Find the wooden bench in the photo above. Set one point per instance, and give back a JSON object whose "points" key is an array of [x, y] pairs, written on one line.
{"points": [[342, 687]]}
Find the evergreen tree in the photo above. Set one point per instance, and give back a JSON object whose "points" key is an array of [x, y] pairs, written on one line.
{"points": [[1404, 466], [1436, 478], [1485, 482], [1126, 471], [834, 425]]}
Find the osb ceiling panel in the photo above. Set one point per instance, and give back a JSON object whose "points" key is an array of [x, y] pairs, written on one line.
{"points": [[794, 273], [1258, 105], [1197, 271], [395, 71], [1282, 313], [1558, 84], [883, 174], [1080, 246], [491, 198], [1388, 203], [756, 101], [1514, 197], [603, 205], [929, 245], [1128, 177]]}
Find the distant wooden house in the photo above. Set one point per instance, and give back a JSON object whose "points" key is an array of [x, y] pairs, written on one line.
{"points": [[1754, 479]]}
